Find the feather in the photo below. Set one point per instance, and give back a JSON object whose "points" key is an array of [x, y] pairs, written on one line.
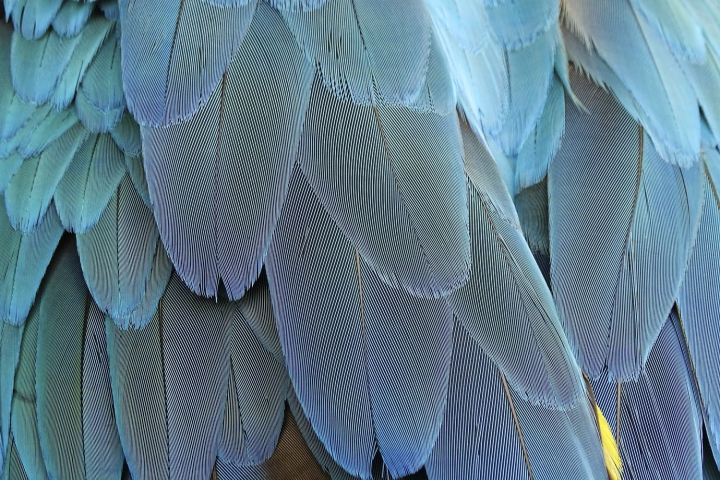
{"points": [[89, 183], [77, 431], [32, 18], [43, 128], [10, 338], [519, 23], [512, 317], [348, 40], [96, 119], [373, 181], [538, 151], [660, 424], [14, 469], [256, 308], [169, 383], [127, 136], [10, 165], [341, 329], [649, 71], [72, 17], [291, 459], [622, 223], [705, 79], [110, 9], [23, 260], [124, 263], [259, 384], [677, 26], [216, 196], [137, 175], [461, 19], [532, 209], [318, 450], [171, 61], [295, 5], [31, 189], [699, 298], [489, 432], [24, 412]]}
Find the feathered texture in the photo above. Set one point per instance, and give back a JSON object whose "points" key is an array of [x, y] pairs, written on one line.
{"points": [[71, 18], [24, 412], [518, 23], [532, 209], [296, 4], [348, 41], [338, 320], [652, 74], [14, 469], [699, 299], [659, 421], [513, 317], [171, 60], [489, 432], [89, 182], [256, 396], [124, 262], [622, 223], [10, 338], [127, 136], [169, 383], [217, 181], [31, 189], [400, 202], [32, 17], [23, 260], [75, 421]]}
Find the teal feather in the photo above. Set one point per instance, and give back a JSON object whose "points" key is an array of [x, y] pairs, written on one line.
{"points": [[10, 339], [72, 17], [32, 17]]}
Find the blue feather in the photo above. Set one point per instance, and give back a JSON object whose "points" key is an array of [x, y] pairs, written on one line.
{"points": [[367, 361], [480, 438], [256, 400], [96, 119], [127, 136], [10, 338], [622, 222], [660, 423], [89, 182], [13, 468], [43, 128], [137, 175], [256, 308], [169, 383], [216, 196], [31, 189], [32, 18], [304, 5], [124, 263], [532, 209], [512, 317], [348, 40], [23, 260], [371, 174], [76, 426], [171, 61], [24, 413], [519, 23], [72, 17], [10, 165], [699, 299]]}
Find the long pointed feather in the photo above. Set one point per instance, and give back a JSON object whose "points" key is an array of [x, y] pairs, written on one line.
{"points": [[76, 427], [171, 60], [33, 17], [622, 222], [372, 179], [366, 360], [169, 383], [217, 181], [10, 339], [23, 260], [124, 263]]}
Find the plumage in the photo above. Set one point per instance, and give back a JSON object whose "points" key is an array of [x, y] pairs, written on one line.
{"points": [[10, 339], [71, 18], [329, 307], [217, 221], [699, 299], [622, 223], [169, 383], [163, 80]]}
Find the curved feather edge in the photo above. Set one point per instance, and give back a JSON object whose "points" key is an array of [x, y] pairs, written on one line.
{"points": [[699, 298], [372, 181], [169, 383], [32, 18], [334, 315], [13, 468], [24, 259], [630, 219], [10, 340], [163, 77], [235, 157], [489, 432], [75, 421], [71, 18], [124, 263], [660, 422]]}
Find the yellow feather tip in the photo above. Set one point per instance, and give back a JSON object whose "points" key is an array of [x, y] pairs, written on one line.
{"points": [[613, 464]]}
